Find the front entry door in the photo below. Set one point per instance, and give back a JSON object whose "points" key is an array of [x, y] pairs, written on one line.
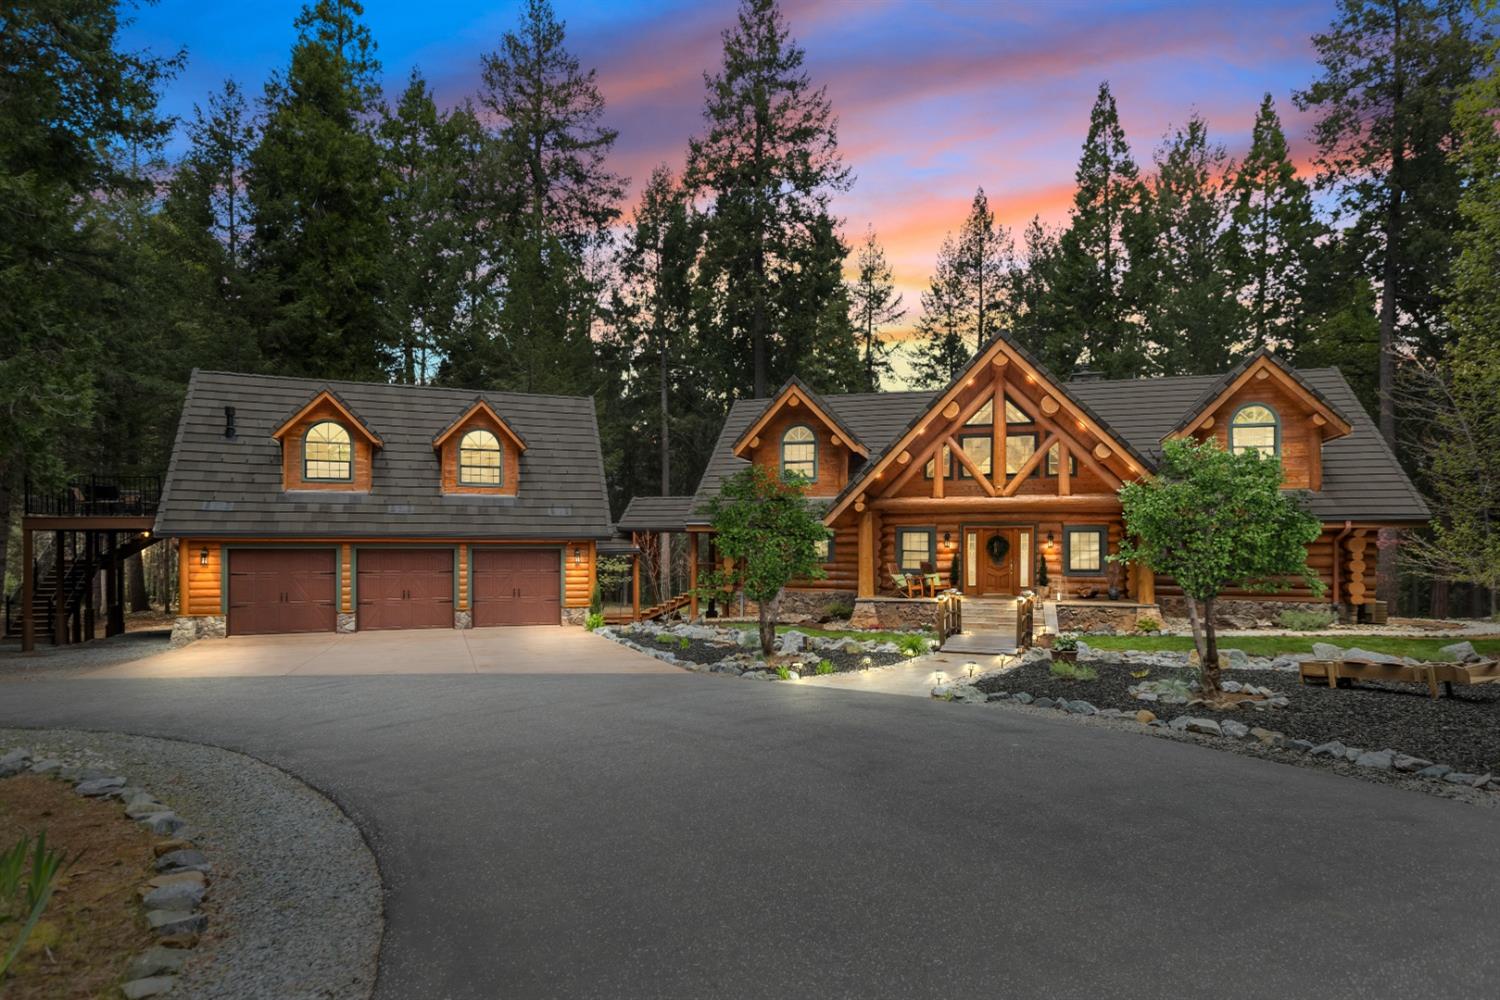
{"points": [[990, 561]]}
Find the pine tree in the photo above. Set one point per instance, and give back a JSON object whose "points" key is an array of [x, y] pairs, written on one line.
{"points": [[941, 348], [1384, 103], [1194, 319], [1033, 298], [1273, 238], [1096, 298], [434, 253], [768, 164], [985, 258], [874, 304], [318, 201]]}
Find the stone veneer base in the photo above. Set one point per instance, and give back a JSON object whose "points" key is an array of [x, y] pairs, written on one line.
{"points": [[463, 619], [190, 628], [347, 622], [1240, 613], [894, 613]]}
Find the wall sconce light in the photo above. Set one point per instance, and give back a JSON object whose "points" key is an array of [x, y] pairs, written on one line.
{"points": [[947, 538], [1051, 538], [203, 556], [577, 556]]}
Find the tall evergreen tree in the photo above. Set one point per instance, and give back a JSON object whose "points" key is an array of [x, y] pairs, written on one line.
{"points": [[874, 305], [317, 193], [1033, 297], [1096, 296], [552, 200], [1384, 103], [434, 254], [1193, 319], [768, 164], [941, 349], [986, 256], [1273, 238]]}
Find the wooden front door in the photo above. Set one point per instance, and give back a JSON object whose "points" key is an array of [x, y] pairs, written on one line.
{"points": [[984, 571], [517, 587], [274, 591], [405, 588]]}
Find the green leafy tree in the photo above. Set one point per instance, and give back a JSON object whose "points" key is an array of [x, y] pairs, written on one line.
{"points": [[767, 167], [1212, 520], [940, 350], [874, 305], [1194, 321], [1273, 238], [317, 193], [1097, 296], [765, 532]]}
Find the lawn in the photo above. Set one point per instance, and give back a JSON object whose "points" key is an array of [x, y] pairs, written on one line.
{"points": [[1420, 648], [832, 633]]}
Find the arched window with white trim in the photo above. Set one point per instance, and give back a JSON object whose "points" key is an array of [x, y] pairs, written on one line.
{"points": [[326, 453], [1255, 427], [479, 459]]}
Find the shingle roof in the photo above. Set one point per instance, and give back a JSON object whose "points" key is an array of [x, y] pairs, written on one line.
{"points": [[655, 514], [1218, 385], [216, 486], [839, 426], [1362, 480], [877, 417]]}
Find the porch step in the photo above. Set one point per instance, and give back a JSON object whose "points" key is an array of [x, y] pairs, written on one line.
{"points": [[987, 642]]}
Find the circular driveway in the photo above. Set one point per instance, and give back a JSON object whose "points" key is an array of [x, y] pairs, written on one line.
{"points": [[630, 833]]}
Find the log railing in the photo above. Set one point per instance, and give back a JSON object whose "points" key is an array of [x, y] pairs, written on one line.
{"points": [[950, 616], [1025, 608]]}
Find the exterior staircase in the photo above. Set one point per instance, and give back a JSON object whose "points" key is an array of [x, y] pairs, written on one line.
{"points": [[77, 576], [652, 613], [990, 627]]}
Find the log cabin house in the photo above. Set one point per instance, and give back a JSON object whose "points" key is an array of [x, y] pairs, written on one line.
{"points": [[309, 506], [1007, 470]]}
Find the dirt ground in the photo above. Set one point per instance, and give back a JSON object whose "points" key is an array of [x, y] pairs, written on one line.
{"points": [[94, 923]]}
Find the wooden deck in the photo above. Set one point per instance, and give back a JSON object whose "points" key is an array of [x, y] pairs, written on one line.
{"points": [[989, 627]]}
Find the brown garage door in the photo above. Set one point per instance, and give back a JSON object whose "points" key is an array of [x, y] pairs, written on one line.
{"points": [[517, 587], [281, 590], [405, 588]]}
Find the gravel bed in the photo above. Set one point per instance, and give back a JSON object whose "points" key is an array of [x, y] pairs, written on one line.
{"points": [[707, 652], [294, 905], [50, 662], [1462, 731]]}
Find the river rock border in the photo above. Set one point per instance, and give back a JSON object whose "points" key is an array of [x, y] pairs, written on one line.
{"points": [[1332, 750], [172, 899]]}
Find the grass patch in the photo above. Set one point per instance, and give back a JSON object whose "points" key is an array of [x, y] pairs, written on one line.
{"points": [[833, 633], [1420, 648]]}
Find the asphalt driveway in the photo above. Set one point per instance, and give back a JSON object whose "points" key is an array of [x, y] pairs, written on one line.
{"points": [[682, 835]]}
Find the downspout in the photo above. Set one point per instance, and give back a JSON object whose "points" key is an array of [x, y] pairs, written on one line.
{"points": [[1337, 562]]}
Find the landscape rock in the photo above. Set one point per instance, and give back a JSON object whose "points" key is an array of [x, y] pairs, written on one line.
{"points": [[155, 961], [1326, 651], [1333, 748], [1460, 778], [1179, 724], [1459, 652], [1238, 730], [1238, 659], [153, 986], [1207, 727], [1408, 763], [998, 696], [1230, 687], [95, 787], [143, 805], [176, 921], [1044, 703], [1434, 771], [1299, 745], [1081, 708], [1364, 654], [163, 824], [1379, 760], [1024, 697], [187, 859], [178, 896], [49, 766], [177, 878], [1144, 717], [792, 642]]}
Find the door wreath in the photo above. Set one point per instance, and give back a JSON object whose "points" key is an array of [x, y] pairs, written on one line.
{"points": [[997, 546]]}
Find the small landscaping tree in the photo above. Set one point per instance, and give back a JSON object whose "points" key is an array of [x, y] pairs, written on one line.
{"points": [[1211, 520], [764, 533]]}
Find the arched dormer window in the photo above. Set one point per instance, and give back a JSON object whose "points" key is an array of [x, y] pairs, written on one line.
{"points": [[326, 454], [479, 461], [799, 452], [1255, 427]]}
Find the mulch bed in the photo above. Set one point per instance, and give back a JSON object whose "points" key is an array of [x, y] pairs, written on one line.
{"points": [[93, 924], [1462, 731], [705, 652]]}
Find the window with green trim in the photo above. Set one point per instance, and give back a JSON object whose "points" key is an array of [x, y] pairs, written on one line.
{"points": [[823, 550], [479, 459], [799, 451], [1084, 549], [1255, 427], [914, 546], [327, 455]]}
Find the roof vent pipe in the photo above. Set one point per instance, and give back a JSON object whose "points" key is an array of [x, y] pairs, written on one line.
{"points": [[229, 431]]}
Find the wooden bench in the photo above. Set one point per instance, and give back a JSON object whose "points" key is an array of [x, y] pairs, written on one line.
{"points": [[1331, 672]]}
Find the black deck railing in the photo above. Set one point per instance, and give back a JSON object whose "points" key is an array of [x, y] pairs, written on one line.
{"points": [[97, 496]]}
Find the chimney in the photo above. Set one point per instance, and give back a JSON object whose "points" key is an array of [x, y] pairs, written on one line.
{"points": [[229, 431], [1086, 374]]}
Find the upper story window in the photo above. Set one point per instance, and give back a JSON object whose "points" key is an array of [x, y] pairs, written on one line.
{"points": [[1255, 427], [326, 453], [479, 462], [799, 452]]}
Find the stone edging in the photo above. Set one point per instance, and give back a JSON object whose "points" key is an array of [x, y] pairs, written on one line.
{"points": [[744, 664], [1378, 760], [172, 899]]}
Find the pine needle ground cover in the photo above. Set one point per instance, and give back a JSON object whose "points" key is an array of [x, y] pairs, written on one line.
{"points": [[93, 924]]}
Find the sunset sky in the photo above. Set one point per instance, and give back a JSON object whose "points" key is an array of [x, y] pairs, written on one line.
{"points": [[934, 99]]}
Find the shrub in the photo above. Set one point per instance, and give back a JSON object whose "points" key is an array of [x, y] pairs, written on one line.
{"points": [[840, 611], [596, 600], [1073, 671], [25, 889], [824, 667], [593, 622], [783, 673], [912, 644], [1065, 644], [1146, 623], [1305, 621], [1082, 672], [684, 642]]}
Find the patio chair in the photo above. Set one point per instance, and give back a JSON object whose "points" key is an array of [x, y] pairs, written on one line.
{"points": [[931, 579], [909, 582]]}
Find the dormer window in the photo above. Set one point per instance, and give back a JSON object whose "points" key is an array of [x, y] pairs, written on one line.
{"points": [[479, 459], [799, 452], [327, 455], [1255, 427]]}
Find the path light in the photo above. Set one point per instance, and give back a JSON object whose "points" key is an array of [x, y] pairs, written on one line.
{"points": [[972, 668]]}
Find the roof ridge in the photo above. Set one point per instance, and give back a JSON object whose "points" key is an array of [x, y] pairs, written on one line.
{"points": [[328, 382]]}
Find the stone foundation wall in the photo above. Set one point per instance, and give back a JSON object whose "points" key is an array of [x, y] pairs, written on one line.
{"points": [[796, 605], [190, 629], [463, 619], [1244, 613], [894, 613], [347, 622], [1104, 617], [575, 616]]}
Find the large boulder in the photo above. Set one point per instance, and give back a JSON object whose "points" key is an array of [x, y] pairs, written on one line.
{"points": [[792, 642], [1327, 651], [1364, 654], [1460, 652]]}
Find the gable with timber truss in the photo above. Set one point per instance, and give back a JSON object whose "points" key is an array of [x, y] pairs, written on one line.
{"points": [[1004, 428]]}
